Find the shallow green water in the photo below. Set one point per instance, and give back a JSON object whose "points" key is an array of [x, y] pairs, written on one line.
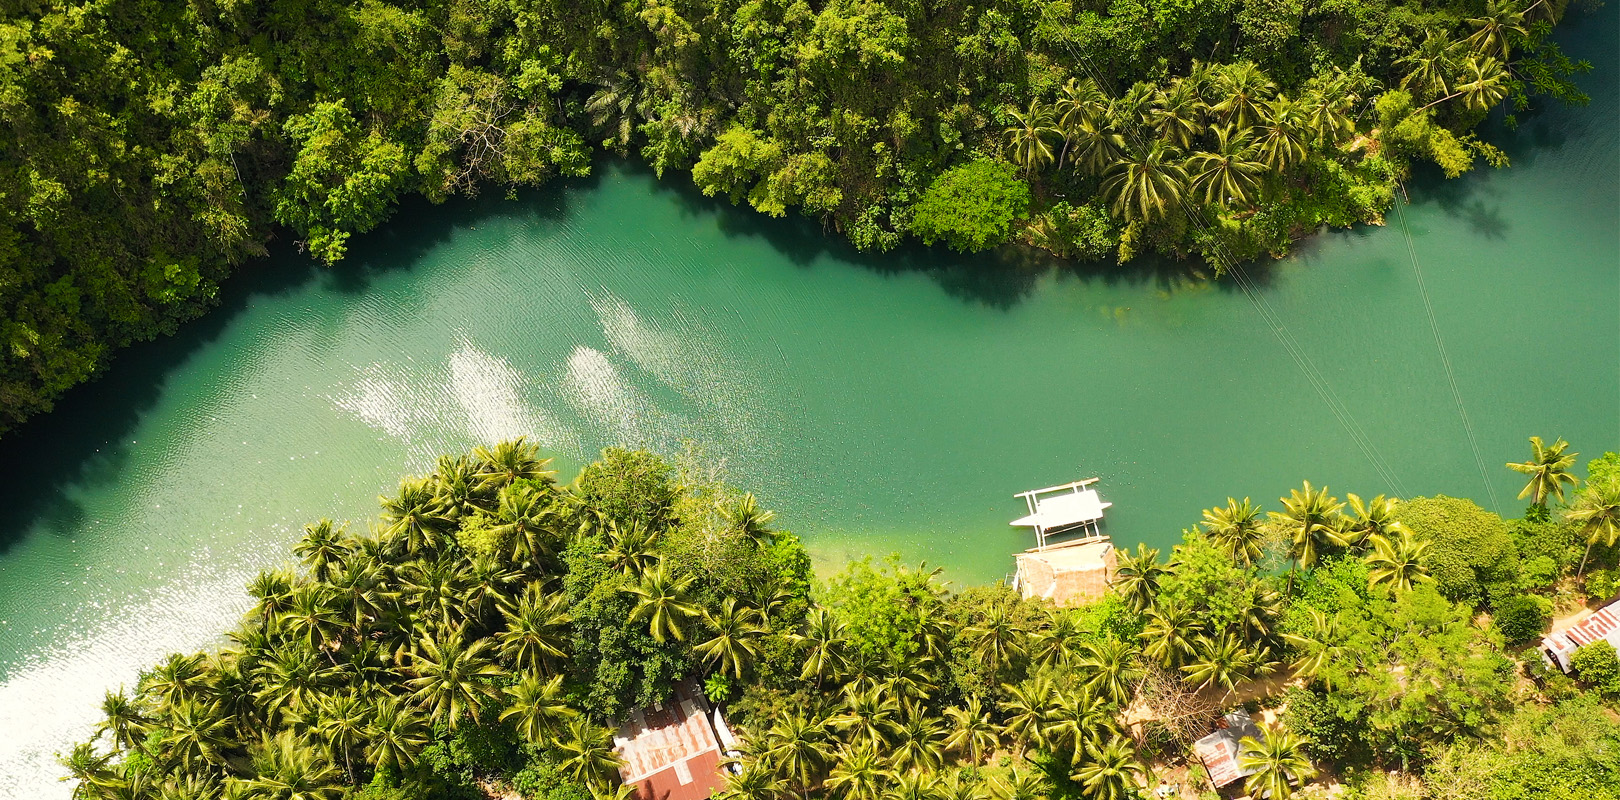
{"points": [[887, 404]]}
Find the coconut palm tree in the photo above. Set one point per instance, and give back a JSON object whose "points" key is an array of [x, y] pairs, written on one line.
{"points": [[914, 785], [437, 591], [1283, 134], [631, 550], [1230, 174], [313, 616], [1110, 669], [1310, 519], [996, 637], [1597, 512], [1111, 772], [1028, 138], [755, 781], [1497, 29], [290, 678], [413, 520], [918, 743], [538, 707], [1222, 660], [91, 771], [869, 716], [272, 592], [341, 722], [1148, 186], [1431, 65], [736, 630], [285, 768], [195, 733], [1482, 82], [322, 549], [663, 604], [1243, 90], [1397, 560], [454, 679], [588, 753], [537, 631], [1279, 761], [1178, 114], [1093, 145], [1236, 528], [860, 773], [1020, 786], [1076, 720], [1080, 102], [395, 734], [526, 518], [509, 462], [1324, 112], [973, 733], [798, 746], [1171, 634], [1375, 517], [457, 489], [825, 646], [747, 518], [178, 679], [122, 721], [1549, 471], [1024, 710], [1136, 578], [1056, 644]]}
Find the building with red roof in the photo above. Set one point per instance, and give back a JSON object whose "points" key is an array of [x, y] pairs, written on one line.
{"points": [[1602, 626], [672, 750]]}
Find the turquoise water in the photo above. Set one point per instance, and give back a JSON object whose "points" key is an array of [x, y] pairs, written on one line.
{"points": [[881, 403]]}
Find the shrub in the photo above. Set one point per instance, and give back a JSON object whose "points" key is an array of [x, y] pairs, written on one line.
{"points": [[1597, 666], [1540, 572], [630, 486], [1522, 618], [1600, 584], [971, 207]]}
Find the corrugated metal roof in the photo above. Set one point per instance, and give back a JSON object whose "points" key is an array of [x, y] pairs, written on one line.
{"points": [[1220, 750], [1604, 625]]}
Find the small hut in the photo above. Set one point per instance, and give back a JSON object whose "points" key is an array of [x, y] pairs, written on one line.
{"points": [[1220, 750], [673, 749], [1068, 574]]}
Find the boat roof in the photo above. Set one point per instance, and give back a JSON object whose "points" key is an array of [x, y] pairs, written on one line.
{"points": [[1062, 510]]}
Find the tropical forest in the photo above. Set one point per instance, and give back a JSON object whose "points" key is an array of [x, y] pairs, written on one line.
{"points": [[645, 400], [483, 636]]}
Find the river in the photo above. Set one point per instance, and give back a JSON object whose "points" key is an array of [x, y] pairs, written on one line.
{"points": [[880, 403]]}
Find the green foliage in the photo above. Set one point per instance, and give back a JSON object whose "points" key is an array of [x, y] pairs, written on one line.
{"points": [[1522, 618], [1083, 232], [1596, 665], [1471, 547], [971, 207], [1599, 469], [1569, 750], [630, 487], [884, 608]]}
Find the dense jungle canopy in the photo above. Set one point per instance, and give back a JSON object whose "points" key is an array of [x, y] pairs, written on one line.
{"points": [[151, 148]]}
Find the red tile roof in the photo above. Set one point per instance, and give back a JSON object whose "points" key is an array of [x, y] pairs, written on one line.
{"points": [[670, 750]]}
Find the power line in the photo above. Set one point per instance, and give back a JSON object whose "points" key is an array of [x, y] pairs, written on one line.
{"points": [[1445, 360], [1229, 264]]}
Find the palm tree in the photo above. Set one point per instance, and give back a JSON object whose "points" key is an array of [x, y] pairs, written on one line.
{"points": [[797, 745], [524, 517], [1549, 471], [663, 604], [1136, 578], [1283, 131], [1080, 102], [973, 733], [868, 716], [736, 629], [824, 643], [322, 549], [457, 489], [395, 734], [342, 722], [509, 462], [453, 679], [914, 785], [1096, 146], [284, 768], [1230, 174], [1497, 28], [590, 756], [1324, 112], [313, 616], [1025, 710], [413, 519], [1149, 186], [1397, 560], [92, 771], [538, 707], [1110, 773], [1237, 529], [1110, 669], [1178, 114], [178, 679], [1020, 786], [1279, 760], [437, 591], [1077, 720], [996, 637], [272, 590], [919, 742], [748, 519], [1310, 519], [859, 774], [1597, 513], [755, 781], [537, 631], [631, 549], [1432, 65], [1320, 650], [289, 678], [1243, 90], [1481, 83], [1027, 137], [1375, 517], [196, 733], [123, 720], [1057, 642], [1171, 634], [1222, 660]]}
